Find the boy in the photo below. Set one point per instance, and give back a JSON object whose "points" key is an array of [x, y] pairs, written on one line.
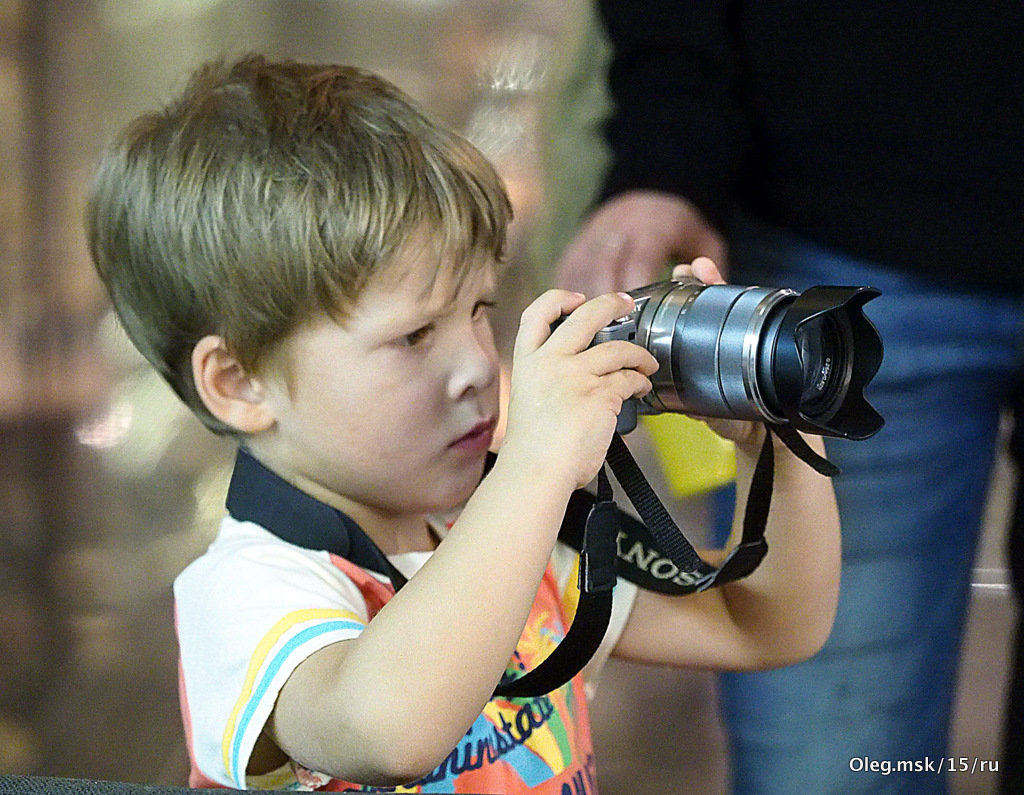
{"points": [[309, 261]]}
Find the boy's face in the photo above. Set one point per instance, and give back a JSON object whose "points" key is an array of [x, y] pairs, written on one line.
{"points": [[394, 410]]}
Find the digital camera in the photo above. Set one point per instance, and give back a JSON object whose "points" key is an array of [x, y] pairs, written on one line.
{"points": [[756, 353]]}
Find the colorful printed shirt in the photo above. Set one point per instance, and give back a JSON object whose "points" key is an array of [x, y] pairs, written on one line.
{"points": [[254, 606]]}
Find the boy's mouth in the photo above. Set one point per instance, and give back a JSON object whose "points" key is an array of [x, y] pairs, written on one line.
{"points": [[478, 440]]}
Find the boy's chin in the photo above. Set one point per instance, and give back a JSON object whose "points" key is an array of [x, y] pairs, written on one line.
{"points": [[462, 484]]}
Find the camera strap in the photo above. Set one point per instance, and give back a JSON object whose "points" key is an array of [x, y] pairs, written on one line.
{"points": [[610, 537], [651, 552]]}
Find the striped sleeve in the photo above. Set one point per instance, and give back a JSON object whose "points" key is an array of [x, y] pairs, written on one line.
{"points": [[247, 616]]}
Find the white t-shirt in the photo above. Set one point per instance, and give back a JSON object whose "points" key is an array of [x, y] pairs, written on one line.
{"points": [[253, 607]]}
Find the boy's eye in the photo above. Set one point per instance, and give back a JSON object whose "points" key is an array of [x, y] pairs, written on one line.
{"points": [[416, 337]]}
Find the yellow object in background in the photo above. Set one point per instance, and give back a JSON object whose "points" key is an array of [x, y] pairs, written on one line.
{"points": [[694, 459]]}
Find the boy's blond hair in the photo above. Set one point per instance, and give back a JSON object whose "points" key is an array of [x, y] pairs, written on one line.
{"points": [[270, 191]]}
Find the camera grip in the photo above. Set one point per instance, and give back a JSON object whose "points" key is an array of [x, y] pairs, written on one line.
{"points": [[626, 423]]}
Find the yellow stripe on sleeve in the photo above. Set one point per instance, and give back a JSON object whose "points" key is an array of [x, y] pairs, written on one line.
{"points": [[256, 664]]}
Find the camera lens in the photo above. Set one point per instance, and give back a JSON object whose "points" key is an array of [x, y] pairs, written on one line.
{"points": [[819, 345], [762, 353]]}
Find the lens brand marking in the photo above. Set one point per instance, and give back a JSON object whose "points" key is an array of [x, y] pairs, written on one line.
{"points": [[825, 370]]}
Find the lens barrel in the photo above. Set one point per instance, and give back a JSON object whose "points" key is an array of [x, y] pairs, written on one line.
{"points": [[761, 353]]}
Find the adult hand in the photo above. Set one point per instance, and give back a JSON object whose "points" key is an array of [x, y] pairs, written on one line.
{"points": [[629, 240]]}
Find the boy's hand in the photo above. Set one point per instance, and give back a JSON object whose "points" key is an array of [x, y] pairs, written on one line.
{"points": [[566, 395], [702, 268]]}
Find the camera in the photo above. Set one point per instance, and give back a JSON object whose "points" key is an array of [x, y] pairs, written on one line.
{"points": [[756, 353]]}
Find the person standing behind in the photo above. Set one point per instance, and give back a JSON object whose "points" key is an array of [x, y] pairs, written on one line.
{"points": [[804, 143]]}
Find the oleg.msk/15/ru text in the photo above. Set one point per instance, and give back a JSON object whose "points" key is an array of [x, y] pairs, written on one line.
{"points": [[945, 764]]}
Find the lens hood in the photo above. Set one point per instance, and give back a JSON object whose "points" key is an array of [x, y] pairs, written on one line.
{"points": [[848, 414]]}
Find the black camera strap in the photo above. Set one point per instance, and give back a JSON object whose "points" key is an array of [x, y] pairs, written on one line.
{"points": [[652, 552], [608, 533]]}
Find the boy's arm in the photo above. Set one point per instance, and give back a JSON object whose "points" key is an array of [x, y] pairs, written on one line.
{"points": [[783, 611], [388, 706]]}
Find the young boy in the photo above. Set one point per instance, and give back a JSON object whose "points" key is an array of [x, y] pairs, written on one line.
{"points": [[309, 261]]}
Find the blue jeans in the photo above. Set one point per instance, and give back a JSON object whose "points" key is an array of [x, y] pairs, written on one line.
{"points": [[911, 501]]}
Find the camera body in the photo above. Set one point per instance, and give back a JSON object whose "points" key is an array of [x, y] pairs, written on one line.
{"points": [[756, 353]]}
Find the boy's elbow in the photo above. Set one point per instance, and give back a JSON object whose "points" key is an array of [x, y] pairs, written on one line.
{"points": [[397, 756], [394, 772], [811, 627], [782, 655], [404, 765], [373, 750], [808, 645], [391, 767], [804, 641]]}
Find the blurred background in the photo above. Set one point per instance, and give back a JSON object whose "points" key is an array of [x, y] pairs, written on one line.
{"points": [[108, 487]]}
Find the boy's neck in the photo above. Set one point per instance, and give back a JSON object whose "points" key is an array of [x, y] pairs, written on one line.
{"points": [[394, 533]]}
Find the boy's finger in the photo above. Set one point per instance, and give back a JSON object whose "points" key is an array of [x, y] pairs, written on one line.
{"points": [[535, 322], [577, 331], [619, 355], [680, 272], [707, 271], [701, 268], [629, 384]]}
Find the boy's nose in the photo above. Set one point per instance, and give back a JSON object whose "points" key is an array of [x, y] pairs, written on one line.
{"points": [[475, 365]]}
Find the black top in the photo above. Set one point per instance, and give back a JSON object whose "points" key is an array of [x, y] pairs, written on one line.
{"points": [[891, 130]]}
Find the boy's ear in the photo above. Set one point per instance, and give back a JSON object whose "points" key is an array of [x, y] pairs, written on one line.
{"points": [[227, 390]]}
